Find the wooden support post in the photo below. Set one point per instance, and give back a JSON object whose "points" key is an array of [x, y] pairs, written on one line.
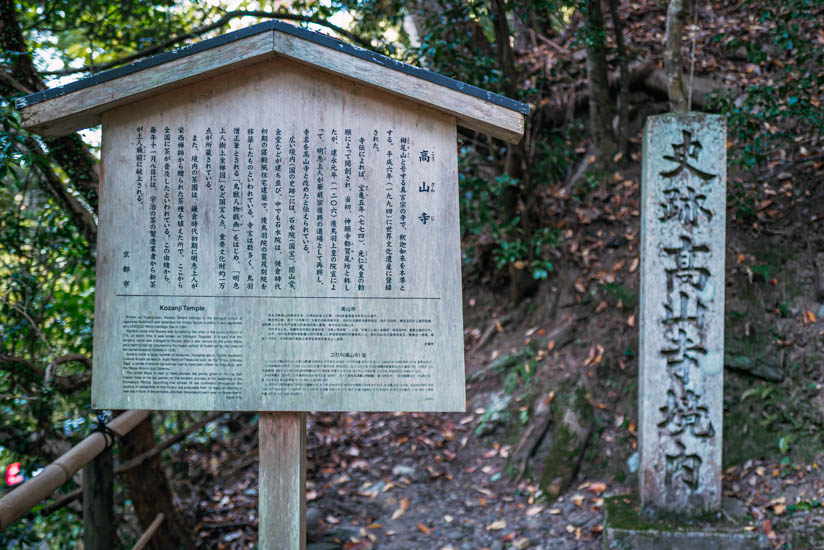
{"points": [[98, 503], [282, 481]]}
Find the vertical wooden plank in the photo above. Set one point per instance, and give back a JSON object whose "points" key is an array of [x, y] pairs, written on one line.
{"points": [[282, 481], [98, 503]]}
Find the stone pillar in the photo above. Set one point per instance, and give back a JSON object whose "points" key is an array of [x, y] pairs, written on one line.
{"points": [[681, 350]]}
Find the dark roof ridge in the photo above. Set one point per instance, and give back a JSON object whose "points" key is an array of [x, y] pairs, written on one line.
{"points": [[299, 32]]}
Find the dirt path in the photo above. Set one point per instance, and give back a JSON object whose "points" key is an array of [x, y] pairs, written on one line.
{"points": [[418, 481], [391, 481], [407, 481]]}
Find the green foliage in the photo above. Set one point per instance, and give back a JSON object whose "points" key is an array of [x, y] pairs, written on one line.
{"points": [[531, 253], [741, 199], [497, 413], [771, 420], [47, 269], [760, 392], [623, 295], [503, 212], [503, 364], [784, 443], [97, 31], [765, 271], [591, 35], [46, 305], [804, 506], [478, 197], [481, 215], [772, 117], [520, 376], [46, 266], [756, 120], [458, 41]]}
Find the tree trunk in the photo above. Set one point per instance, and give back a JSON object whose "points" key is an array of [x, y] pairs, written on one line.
{"points": [[672, 55], [506, 58], [98, 503], [702, 87], [514, 164], [150, 492], [68, 151], [600, 104], [518, 200], [623, 94]]}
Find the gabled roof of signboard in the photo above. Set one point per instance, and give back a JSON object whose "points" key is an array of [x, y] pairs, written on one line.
{"points": [[60, 110]]}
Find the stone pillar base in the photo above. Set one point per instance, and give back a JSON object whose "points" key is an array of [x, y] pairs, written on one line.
{"points": [[625, 530]]}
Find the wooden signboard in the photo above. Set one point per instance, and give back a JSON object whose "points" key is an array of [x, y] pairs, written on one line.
{"points": [[275, 239], [278, 226], [277, 231]]}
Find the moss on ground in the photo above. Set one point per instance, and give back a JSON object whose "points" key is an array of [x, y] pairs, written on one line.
{"points": [[572, 415], [772, 418], [623, 513]]}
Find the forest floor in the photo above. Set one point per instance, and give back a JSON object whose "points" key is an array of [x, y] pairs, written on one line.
{"points": [[430, 481], [451, 481], [423, 481]]}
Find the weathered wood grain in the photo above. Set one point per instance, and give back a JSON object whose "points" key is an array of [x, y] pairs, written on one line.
{"points": [[83, 108], [282, 481], [98, 503], [471, 112]]}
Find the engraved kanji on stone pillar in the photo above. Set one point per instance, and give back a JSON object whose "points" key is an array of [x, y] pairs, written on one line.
{"points": [[681, 351]]}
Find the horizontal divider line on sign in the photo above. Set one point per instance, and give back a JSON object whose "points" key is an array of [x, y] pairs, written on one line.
{"points": [[283, 297]]}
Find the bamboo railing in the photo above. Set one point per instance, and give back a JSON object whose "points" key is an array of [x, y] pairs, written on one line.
{"points": [[95, 458], [19, 501]]}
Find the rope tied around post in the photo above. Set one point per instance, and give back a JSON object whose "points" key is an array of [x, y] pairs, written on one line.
{"points": [[108, 434], [20, 500]]}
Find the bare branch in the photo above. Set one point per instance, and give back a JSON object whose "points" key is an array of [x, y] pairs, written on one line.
{"points": [[19, 365], [223, 20], [139, 459], [81, 215], [69, 357], [14, 364], [34, 326], [14, 83], [13, 397], [305, 19]]}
